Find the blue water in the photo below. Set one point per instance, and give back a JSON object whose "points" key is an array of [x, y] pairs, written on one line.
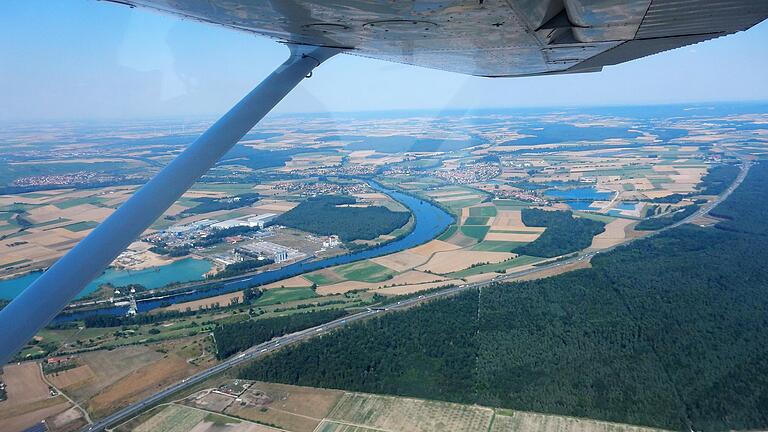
{"points": [[185, 270], [580, 198], [431, 221], [581, 205], [581, 193], [627, 205]]}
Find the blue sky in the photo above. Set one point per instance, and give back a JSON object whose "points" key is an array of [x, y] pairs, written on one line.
{"points": [[81, 59]]}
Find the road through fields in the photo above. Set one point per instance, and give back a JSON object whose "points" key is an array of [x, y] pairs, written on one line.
{"points": [[275, 344]]}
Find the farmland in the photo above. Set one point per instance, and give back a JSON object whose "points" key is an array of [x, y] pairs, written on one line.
{"points": [[604, 342], [601, 178], [248, 406]]}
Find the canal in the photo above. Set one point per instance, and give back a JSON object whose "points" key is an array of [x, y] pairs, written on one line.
{"points": [[430, 221]]}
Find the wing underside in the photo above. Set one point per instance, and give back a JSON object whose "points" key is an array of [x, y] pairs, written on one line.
{"points": [[482, 37]]}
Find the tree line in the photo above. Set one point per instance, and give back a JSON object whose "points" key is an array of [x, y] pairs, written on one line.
{"points": [[324, 215], [564, 233], [234, 337], [669, 331]]}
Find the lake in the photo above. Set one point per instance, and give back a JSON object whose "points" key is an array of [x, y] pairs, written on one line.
{"points": [[186, 270], [580, 198]]}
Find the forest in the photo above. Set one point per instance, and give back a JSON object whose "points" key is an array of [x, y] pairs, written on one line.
{"points": [[718, 179], [564, 233], [234, 337], [322, 215], [668, 331], [656, 223]]}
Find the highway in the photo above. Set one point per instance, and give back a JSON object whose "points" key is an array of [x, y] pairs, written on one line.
{"points": [[275, 344]]}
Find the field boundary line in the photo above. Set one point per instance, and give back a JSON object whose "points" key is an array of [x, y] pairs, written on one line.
{"points": [[239, 419], [72, 401], [374, 428]]}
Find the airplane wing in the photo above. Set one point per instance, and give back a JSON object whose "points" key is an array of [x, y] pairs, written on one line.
{"points": [[494, 38]]}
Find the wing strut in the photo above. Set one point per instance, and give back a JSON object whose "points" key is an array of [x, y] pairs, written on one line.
{"points": [[48, 295]]}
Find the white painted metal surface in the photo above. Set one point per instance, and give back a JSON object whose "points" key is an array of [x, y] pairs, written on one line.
{"points": [[481, 37]]}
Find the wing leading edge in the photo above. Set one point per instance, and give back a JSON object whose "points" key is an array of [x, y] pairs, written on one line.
{"points": [[482, 37]]}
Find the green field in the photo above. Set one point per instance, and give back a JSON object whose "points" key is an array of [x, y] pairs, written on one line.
{"points": [[320, 278], [365, 271], [81, 226], [475, 231], [488, 211], [595, 216], [72, 202], [174, 418], [456, 206], [496, 246], [668, 331], [476, 220], [283, 295], [510, 204], [448, 233]]}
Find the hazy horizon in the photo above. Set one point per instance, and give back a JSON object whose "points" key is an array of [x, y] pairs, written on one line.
{"points": [[99, 60]]}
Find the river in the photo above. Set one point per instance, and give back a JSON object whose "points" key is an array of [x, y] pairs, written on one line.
{"points": [[185, 270], [430, 221]]}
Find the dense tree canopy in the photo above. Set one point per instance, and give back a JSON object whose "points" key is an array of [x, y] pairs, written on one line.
{"points": [[327, 215], [656, 223], [564, 233], [234, 337], [668, 331], [718, 179]]}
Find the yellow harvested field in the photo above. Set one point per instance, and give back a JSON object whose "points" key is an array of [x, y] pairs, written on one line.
{"points": [[174, 210], [386, 413], [70, 377], [140, 383], [449, 261], [373, 196], [511, 237], [173, 418], [464, 215], [343, 287], [657, 193], [28, 401], [401, 261], [222, 300], [24, 384], [278, 206], [44, 213], [615, 233], [294, 282], [410, 289], [447, 192], [293, 408], [29, 418], [408, 278], [520, 421], [430, 248], [109, 367], [236, 426], [511, 220], [203, 194]]}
